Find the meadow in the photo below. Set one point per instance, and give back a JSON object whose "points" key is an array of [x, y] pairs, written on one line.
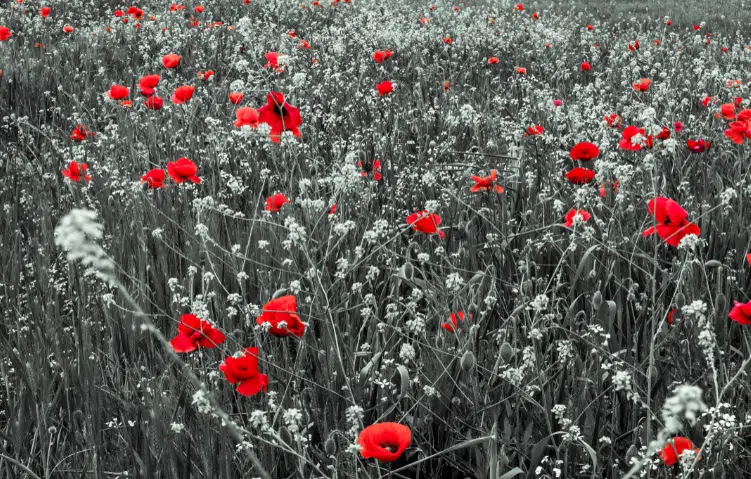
{"points": [[374, 239]]}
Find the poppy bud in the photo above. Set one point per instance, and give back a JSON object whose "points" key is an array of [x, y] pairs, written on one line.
{"points": [[597, 300], [279, 293], [330, 446], [712, 263], [468, 361], [680, 300], [321, 356], [718, 472], [720, 302], [507, 352], [632, 453], [407, 271]]}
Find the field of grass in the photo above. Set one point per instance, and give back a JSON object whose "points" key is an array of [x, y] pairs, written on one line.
{"points": [[460, 240]]}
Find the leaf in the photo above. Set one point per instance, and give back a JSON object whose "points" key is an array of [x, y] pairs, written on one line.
{"points": [[512, 473], [592, 454], [582, 264], [404, 381], [538, 452], [365, 371]]}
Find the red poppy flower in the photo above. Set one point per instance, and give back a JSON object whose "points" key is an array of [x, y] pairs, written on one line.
{"points": [[246, 116], [76, 172], [613, 120], [634, 139], [154, 103], [236, 97], [585, 216], [272, 60], [275, 202], [385, 87], [493, 60], [5, 34], [727, 111], [182, 94], [584, 151], [425, 222], [280, 116], [68, 29], [486, 183], [707, 100], [534, 130], [446, 40], [535, 16], [699, 146], [199, 9], [154, 178], [45, 12], [205, 75], [580, 176], [281, 314], [664, 134], [678, 126], [381, 55], [171, 61], [672, 225], [671, 313], [590, 27], [748, 258], [118, 92], [147, 84], [183, 170], [370, 169], [193, 333], [674, 448], [521, 70], [243, 370], [741, 312], [642, 84], [519, 7], [614, 185], [633, 46], [453, 321], [332, 210], [738, 131], [81, 133], [135, 12], [384, 441], [585, 67]]}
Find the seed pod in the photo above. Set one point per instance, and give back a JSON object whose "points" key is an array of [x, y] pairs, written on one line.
{"points": [[330, 446], [468, 361], [597, 300], [680, 300], [712, 263], [507, 352]]}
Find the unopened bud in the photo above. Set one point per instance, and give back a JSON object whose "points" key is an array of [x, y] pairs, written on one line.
{"points": [[330, 446], [597, 300], [507, 352], [680, 300], [468, 361]]}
